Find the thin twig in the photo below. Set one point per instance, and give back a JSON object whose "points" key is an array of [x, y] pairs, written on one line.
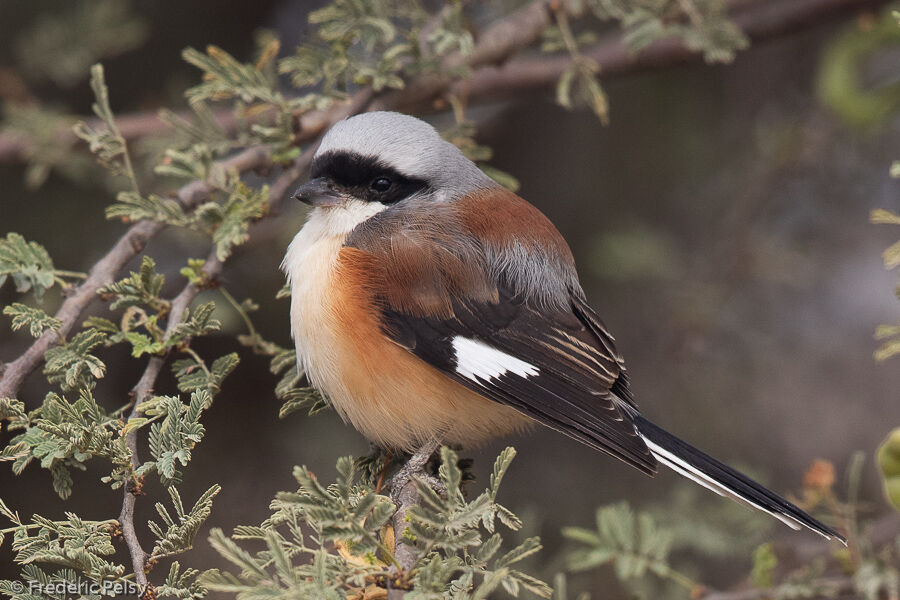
{"points": [[142, 392], [758, 21]]}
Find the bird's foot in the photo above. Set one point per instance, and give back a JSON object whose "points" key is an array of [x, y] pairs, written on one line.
{"points": [[415, 467]]}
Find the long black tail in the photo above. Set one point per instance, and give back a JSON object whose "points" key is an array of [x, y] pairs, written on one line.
{"points": [[722, 479]]}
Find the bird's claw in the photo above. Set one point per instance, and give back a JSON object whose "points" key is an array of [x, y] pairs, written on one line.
{"points": [[415, 467]]}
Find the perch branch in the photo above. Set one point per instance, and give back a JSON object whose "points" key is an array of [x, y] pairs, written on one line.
{"points": [[405, 496]]}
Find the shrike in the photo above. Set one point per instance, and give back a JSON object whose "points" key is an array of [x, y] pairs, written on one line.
{"points": [[430, 303]]}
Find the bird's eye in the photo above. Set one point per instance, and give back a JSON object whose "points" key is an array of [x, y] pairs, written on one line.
{"points": [[380, 184]]}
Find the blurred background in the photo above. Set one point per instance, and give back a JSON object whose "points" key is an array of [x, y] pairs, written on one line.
{"points": [[720, 223]]}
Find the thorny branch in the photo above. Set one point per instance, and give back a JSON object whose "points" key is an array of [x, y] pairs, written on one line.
{"points": [[142, 392]]}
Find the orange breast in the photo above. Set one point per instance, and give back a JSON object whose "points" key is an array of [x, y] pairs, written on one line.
{"points": [[387, 393]]}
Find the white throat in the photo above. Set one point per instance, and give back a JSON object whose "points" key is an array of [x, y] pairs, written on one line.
{"points": [[315, 247], [324, 226]]}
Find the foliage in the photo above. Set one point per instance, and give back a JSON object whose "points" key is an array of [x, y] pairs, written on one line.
{"points": [[889, 333], [844, 81], [634, 544], [179, 532], [35, 319], [28, 265], [62, 45], [707, 28], [888, 457], [640, 543], [348, 550]]}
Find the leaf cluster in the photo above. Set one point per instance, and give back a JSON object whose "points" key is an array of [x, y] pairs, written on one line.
{"points": [[172, 438], [633, 543], [707, 28], [28, 265], [62, 435], [79, 546], [336, 541], [458, 539], [176, 534]]}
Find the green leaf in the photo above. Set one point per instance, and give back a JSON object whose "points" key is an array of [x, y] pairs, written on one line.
{"points": [[229, 223], [192, 375], [37, 320], [105, 142], [527, 548], [141, 288], [887, 350], [143, 344], [888, 456], [72, 365], [302, 398], [227, 78], [891, 256], [764, 563], [883, 216], [131, 207], [27, 263], [173, 438], [199, 322], [501, 465], [177, 534], [634, 544]]}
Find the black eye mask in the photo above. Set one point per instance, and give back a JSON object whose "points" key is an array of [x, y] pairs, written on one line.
{"points": [[365, 177]]}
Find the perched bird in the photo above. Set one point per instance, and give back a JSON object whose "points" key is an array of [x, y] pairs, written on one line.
{"points": [[430, 303]]}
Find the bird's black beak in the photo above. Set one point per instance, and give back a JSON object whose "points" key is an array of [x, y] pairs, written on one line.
{"points": [[318, 192]]}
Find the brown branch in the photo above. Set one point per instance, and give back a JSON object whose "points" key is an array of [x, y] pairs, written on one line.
{"points": [[406, 497], [758, 20], [142, 392]]}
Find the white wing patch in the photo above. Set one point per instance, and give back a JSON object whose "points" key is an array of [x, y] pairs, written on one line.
{"points": [[477, 361]]}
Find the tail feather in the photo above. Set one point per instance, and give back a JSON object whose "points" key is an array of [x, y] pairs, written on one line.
{"points": [[725, 481]]}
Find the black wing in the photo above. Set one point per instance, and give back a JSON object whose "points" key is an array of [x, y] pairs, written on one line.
{"points": [[570, 378]]}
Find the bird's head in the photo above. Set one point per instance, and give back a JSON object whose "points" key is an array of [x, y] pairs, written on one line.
{"points": [[375, 160]]}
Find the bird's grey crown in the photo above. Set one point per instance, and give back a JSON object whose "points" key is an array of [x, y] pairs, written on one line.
{"points": [[409, 145]]}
